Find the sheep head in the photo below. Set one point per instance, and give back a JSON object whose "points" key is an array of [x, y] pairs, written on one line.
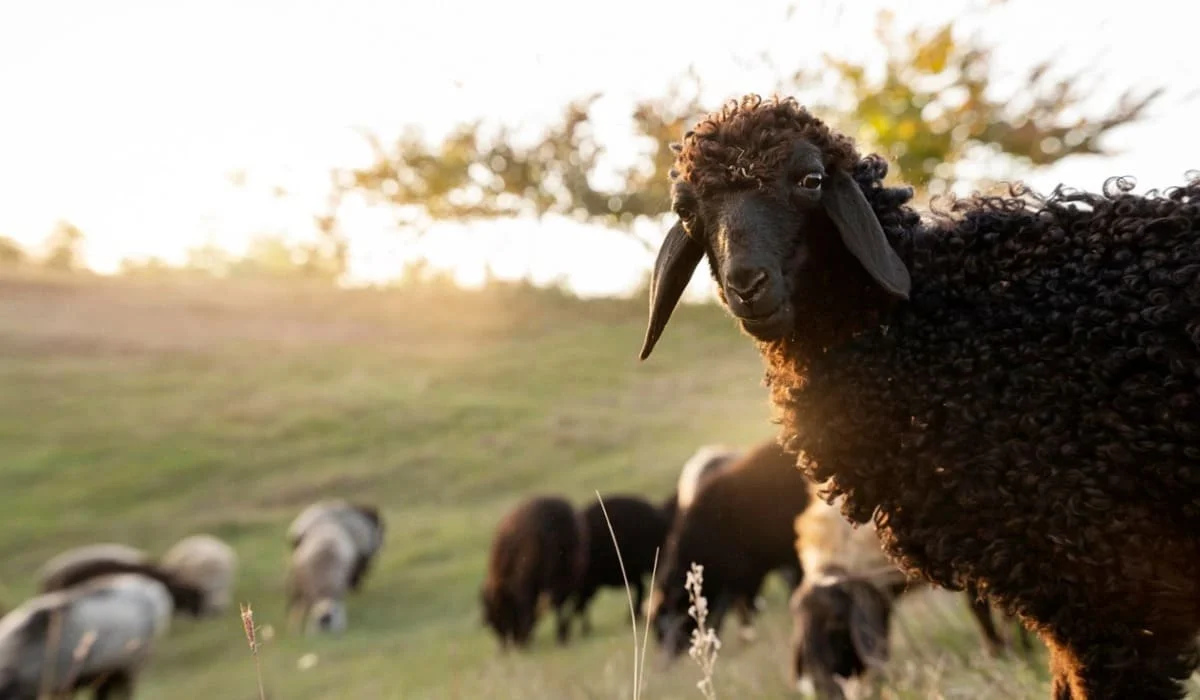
{"points": [[765, 191]]}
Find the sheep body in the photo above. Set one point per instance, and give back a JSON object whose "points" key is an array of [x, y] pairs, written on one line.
{"points": [[739, 528], [1011, 391], [640, 529], [319, 576], [538, 549], [112, 621], [205, 562], [362, 522]]}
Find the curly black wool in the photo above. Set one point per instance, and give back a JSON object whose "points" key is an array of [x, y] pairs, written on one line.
{"points": [[1028, 421]]}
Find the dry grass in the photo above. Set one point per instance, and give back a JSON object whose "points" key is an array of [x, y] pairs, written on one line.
{"points": [[705, 644], [251, 631]]}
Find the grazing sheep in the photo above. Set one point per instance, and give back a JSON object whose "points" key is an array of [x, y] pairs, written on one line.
{"points": [[363, 523], [705, 463], [98, 632], [739, 528], [319, 577], [640, 530], [70, 567], [1011, 389], [207, 563], [538, 549], [842, 613]]}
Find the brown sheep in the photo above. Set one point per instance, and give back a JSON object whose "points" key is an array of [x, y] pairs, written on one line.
{"points": [[739, 528], [842, 613], [538, 549]]}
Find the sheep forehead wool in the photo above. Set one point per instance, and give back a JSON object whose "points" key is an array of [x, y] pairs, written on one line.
{"points": [[748, 143], [327, 614]]}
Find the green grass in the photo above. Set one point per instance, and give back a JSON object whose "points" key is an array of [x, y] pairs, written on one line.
{"points": [[146, 411]]}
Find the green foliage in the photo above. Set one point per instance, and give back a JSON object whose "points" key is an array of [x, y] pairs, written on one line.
{"points": [[11, 252], [936, 101]]}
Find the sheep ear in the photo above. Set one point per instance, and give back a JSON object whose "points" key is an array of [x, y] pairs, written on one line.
{"points": [[869, 623], [677, 260], [863, 236]]}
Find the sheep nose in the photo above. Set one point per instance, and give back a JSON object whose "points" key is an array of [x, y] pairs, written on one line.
{"points": [[747, 283]]}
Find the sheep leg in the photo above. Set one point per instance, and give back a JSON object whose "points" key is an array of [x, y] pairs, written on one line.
{"points": [[639, 598], [792, 575], [982, 611], [583, 598], [360, 569], [115, 686]]}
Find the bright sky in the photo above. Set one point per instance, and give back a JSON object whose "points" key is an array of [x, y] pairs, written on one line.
{"points": [[126, 117]]}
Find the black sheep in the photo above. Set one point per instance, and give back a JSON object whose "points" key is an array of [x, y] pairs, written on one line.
{"points": [[739, 528], [1010, 389], [640, 529], [538, 548]]}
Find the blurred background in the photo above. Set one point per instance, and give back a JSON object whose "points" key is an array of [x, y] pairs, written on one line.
{"points": [[254, 254]]}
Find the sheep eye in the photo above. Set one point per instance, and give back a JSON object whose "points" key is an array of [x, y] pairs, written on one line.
{"points": [[812, 181]]}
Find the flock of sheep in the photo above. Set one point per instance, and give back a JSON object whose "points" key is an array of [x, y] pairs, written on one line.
{"points": [[1000, 398], [741, 515], [102, 607]]}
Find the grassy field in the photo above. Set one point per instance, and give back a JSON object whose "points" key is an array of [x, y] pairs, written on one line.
{"points": [[145, 411]]}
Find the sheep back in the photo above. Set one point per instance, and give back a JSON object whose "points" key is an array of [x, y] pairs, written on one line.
{"points": [[704, 463], [80, 563], [640, 529], [116, 618]]}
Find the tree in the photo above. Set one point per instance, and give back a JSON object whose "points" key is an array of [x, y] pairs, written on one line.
{"points": [[935, 105], [64, 247], [11, 253]]}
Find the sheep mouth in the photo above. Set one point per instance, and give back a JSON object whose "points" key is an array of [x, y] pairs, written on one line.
{"points": [[771, 325]]}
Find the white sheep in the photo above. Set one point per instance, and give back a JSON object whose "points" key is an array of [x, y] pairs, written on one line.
{"points": [[322, 567], [207, 563], [363, 523], [98, 632]]}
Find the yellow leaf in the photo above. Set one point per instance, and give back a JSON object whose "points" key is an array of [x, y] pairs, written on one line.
{"points": [[933, 55]]}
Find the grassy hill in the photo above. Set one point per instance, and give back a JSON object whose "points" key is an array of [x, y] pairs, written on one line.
{"points": [[143, 411]]}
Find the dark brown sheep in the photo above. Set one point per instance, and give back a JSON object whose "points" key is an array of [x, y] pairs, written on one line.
{"points": [[640, 528], [538, 549], [1010, 389], [739, 528]]}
